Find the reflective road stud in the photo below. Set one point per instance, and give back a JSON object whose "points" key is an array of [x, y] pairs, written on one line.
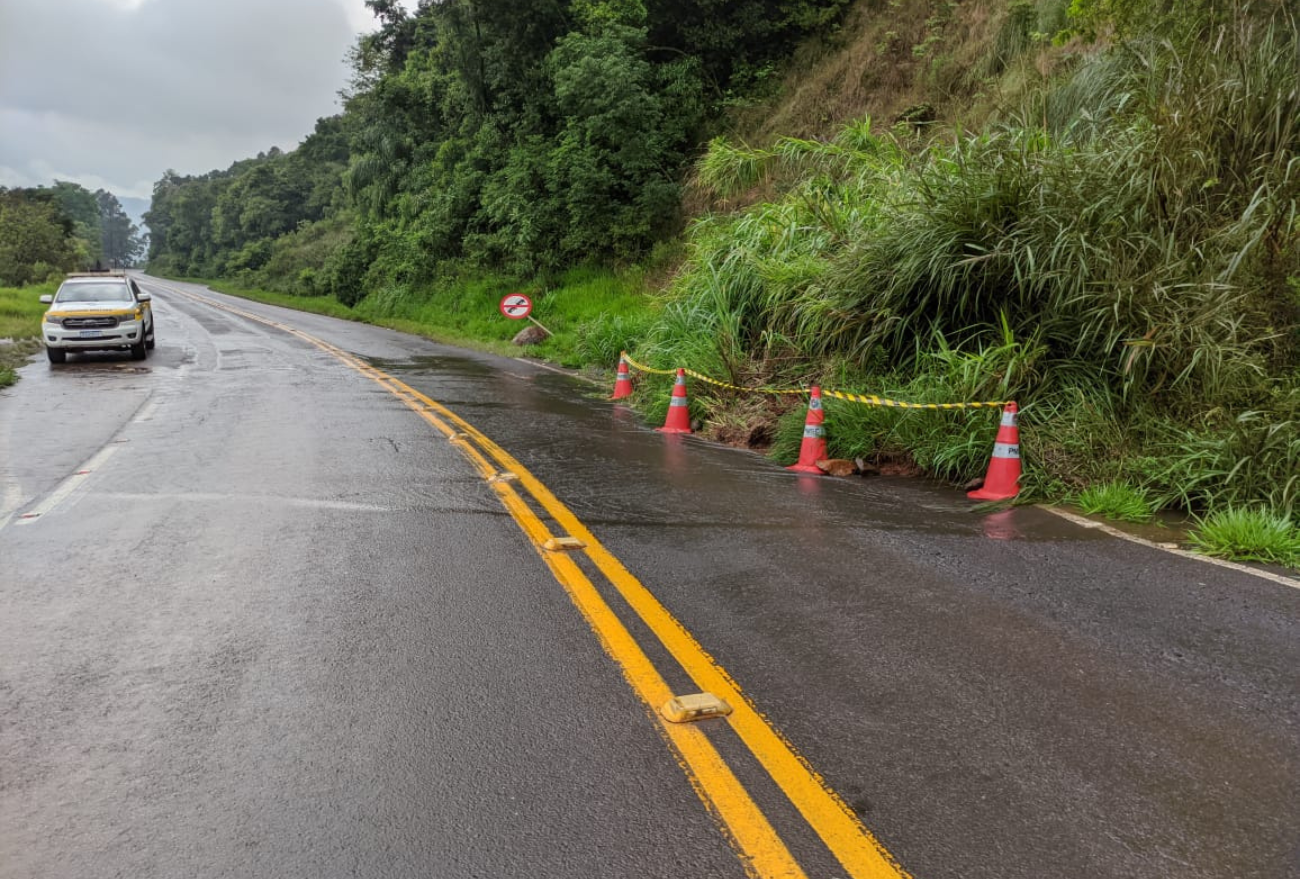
{"points": [[813, 448], [679, 411], [697, 706], [1003, 479]]}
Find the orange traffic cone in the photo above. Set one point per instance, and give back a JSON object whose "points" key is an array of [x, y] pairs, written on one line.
{"points": [[679, 411], [623, 384], [1003, 479], [813, 448]]}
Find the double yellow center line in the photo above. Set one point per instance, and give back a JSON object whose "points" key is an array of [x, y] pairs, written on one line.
{"points": [[761, 849]]}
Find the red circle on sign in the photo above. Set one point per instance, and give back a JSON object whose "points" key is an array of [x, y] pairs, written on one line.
{"points": [[516, 306]]}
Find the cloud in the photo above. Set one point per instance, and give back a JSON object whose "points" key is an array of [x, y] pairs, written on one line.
{"points": [[117, 91]]}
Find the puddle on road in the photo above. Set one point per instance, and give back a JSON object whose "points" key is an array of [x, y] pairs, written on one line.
{"points": [[614, 471], [439, 366], [96, 370]]}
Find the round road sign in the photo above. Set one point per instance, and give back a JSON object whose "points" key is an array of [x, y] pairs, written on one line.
{"points": [[516, 306]]}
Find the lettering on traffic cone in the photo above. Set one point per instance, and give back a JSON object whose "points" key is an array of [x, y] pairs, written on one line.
{"points": [[1003, 479], [623, 384], [813, 447], [679, 411]]}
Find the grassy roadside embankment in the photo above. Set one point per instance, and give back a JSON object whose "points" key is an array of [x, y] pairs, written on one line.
{"points": [[20, 327], [593, 314]]}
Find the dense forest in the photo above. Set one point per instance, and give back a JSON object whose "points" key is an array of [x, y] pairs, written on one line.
{"points": [[524, 136], [49, 230], [1092, 206]]}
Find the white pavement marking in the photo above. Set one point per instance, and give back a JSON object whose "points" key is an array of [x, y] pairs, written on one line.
{"points": [[145, 412], [1133, 538], [67, 487], [557, 369]]}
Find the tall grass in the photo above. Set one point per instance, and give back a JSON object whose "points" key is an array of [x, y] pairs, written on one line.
{"points": [[1133, 230]]}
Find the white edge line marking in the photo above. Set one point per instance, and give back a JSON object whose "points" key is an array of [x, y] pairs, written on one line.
{"points": [[558, 370], [66, 487], [145, 412], [1141, 541]]}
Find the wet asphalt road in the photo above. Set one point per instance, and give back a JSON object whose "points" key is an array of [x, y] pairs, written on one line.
{"points": [[281, 628]]}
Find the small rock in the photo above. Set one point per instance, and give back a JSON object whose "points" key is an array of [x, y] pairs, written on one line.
{"points": [[974, 484], [837, 467], [866, 469], [531, 335]]}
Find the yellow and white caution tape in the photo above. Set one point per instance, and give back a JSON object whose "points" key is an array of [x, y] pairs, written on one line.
{"points": [[714, 381], [873, 400], [650, 369], [863, 399]]}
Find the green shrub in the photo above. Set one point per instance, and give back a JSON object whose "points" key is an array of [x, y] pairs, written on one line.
{"points": [[1248, 533], [1117, 500]]}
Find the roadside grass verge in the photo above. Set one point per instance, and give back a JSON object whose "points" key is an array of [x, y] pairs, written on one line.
{"points": [[593, 313], [20, 327], [326, 305], [1249, 533]]}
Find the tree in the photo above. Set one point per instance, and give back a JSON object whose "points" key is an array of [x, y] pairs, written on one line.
{"points": [[120, 241], [35, 238]]}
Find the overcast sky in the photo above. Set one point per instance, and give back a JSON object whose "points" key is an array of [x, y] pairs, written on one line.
{"points": [[111, 93]]}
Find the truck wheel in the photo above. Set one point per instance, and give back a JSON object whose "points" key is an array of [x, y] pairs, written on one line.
{"points": [[56, 355], [138, 351]]}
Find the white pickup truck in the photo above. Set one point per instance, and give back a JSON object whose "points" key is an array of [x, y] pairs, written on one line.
{"points": [[98, 312]]}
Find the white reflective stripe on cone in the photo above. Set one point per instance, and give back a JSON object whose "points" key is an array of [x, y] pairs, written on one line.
{"points": [[1006, 450], [812, 431], [1009, 419], [678, 401]]}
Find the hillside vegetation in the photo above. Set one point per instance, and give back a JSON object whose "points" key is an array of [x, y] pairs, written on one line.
{"points": [[1088, 206]]}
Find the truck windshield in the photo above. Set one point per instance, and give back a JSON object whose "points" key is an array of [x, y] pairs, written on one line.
{"points": [[94, 293]]}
